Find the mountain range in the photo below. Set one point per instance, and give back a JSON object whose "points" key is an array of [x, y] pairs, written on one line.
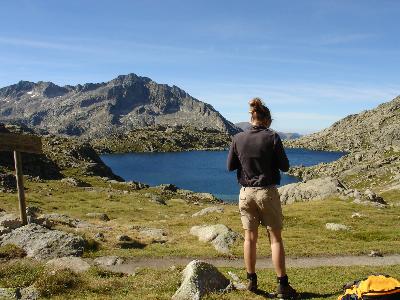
{"points": [[119, 106], [283, 135]]}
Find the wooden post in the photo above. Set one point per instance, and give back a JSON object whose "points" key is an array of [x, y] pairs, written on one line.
{"points": [[20, 143], [20, 186]]}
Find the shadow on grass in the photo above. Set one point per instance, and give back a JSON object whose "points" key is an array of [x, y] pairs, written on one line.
{"points": [[305, 295], [131, 245]]}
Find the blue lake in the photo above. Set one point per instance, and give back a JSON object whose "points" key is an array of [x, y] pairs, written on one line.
{"points": [[200, 171]]}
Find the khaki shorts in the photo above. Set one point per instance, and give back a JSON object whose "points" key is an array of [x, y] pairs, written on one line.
{"points": [[260, 205]]}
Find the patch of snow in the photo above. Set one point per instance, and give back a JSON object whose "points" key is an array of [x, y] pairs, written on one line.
{"points": [[29, 93]]}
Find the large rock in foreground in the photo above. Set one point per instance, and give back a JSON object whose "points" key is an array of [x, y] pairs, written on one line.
{"points": [[42, 243], [315, 189], [198, 279], [219, 235]]}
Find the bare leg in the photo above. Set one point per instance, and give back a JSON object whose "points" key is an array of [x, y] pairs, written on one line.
{"points": [[250, 250], [278, 251]]}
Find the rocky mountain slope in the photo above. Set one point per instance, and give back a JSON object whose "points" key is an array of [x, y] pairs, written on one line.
{"points": [[376, 128], [283, 135], [91, 110], [372, 142]]}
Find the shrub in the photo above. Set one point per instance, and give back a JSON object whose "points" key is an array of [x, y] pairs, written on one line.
{"points": [[56, 282]]}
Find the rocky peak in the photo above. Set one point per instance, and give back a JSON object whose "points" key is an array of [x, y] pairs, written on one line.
{"points": [[98, 109]]}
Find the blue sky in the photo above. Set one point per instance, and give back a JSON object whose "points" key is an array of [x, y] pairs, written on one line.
{"points": [[313, 62]]}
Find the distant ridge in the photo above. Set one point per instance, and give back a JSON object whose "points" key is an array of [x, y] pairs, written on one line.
{"points": [[123, 104], [283, 135], [371, 129]]}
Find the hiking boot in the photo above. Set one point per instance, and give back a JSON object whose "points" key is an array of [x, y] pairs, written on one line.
{"points": [[286, 292], [252, 282]]}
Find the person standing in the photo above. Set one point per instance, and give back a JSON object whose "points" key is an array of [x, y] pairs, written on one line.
{"points": [[258, 156]]}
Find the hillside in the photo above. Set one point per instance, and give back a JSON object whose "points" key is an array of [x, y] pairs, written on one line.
{"points": [[372, 140], [376, 128], [121, 105]]}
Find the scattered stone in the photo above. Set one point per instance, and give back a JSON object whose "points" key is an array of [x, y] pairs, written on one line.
{"points": [[62, 219], [369, 203], [167, 187], [236, 282], [198, 279], [123, 238], [42, 243], [196, 197], [172, 268], [99, 236], [336, 227], [357, 194], [209, 210], [30, 293], [76, 264], [74, 182], [98, 216], [10, 221], [156, 235], [10, 293], [371, 196], [158, 199], [219, 235], [374, 253], [4, 230], [315, 189], [357, 215], [108, 261]]}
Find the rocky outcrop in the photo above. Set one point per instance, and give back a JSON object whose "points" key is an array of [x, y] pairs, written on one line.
{"points": [[198, 279], [376, 128], [75, 264], [120, 105], [372, 140], [219, 235], [315, 189], [58, 154], [162, 139], [209, 210], [42, 243]]}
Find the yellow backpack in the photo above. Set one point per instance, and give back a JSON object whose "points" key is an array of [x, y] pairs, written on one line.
{"points": [[379, 287]]}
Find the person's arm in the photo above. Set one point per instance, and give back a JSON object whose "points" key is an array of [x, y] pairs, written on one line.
{"points": [[233, 162], [280, 154]]}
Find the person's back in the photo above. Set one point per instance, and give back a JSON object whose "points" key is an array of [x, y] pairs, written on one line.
{"points": [[261, 156]]}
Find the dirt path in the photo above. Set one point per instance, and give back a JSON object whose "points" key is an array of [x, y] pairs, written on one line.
{"points": [[129, 266]]}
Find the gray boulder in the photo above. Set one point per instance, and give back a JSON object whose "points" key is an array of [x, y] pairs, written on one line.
{"points": [[315, 189], [156, 235], [42, 243], [219, 235], [76, 264], [62, 219], [336, 227], [74, 182], [198, 279], [209, 210]]}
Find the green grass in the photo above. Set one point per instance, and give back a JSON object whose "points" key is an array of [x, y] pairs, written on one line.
{"points": [[304, 232], [313, 283]]}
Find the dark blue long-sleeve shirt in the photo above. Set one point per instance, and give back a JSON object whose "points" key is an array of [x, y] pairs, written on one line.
{"points": [[257, 154]]}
